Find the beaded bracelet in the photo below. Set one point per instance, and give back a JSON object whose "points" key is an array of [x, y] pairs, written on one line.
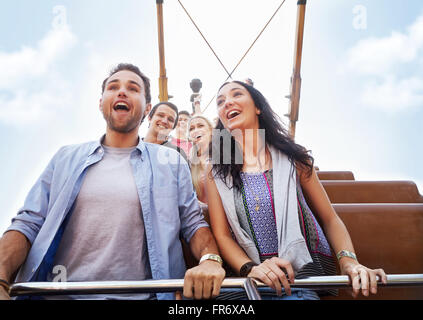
{"points": [[345, 253]]}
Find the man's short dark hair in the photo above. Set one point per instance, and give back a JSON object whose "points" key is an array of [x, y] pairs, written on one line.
{"points": [[185, 113], [134, 69], [170, 105]]}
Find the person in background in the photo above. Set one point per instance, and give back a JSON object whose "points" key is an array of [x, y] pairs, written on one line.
{"points": [[249, 82], [181, 140], [269, 213], [215, 122], [200, 134], [163, 118]]}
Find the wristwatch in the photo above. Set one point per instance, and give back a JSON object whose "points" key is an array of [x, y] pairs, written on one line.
{"points": [[246, 268], [211, 256]]}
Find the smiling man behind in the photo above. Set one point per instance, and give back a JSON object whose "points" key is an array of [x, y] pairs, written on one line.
{"points": [[109, 210], [163, 118]]}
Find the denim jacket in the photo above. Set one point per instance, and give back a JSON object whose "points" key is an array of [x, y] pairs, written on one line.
{"points": [[168, 201]]}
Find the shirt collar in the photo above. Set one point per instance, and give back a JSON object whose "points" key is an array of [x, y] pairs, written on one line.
{"points": [[97, 144]]}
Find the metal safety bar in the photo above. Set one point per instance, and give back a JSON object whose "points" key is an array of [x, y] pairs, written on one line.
{"points": [[252, 287]]}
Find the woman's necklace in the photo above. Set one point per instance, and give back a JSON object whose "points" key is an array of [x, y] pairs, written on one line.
{"points": [[256, 196]]}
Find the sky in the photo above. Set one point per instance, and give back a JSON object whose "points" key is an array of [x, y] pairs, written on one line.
{"points": [[361, 106]]}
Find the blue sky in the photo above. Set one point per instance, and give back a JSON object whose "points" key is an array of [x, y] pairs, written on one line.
{"points": [[361, 104]]}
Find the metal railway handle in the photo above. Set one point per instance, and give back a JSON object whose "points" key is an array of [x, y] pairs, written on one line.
{"points": [[250, 286]]}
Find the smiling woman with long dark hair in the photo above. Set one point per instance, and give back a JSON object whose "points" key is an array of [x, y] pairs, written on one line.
{"points": [[275, 135], [259, 207]]}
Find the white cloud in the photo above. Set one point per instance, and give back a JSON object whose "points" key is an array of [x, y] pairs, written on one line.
{"points": [[392, 94], [34, 70], [381, 64], [30, 63], [375, 56], [26, 108]]}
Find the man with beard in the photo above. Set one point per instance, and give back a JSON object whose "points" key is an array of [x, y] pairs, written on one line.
{"points": [[110, 210]]}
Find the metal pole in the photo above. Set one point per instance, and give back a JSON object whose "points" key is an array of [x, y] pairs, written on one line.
{"points": [[163, 93], [296, 75], [250, 287], [145, 286], [173, 285]]}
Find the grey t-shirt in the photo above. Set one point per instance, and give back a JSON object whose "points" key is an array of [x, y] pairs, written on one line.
{"points": [[104, 239]]}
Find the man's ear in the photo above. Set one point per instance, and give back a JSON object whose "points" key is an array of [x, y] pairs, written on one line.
{"points": [[100, 106], [147, 113], [147, 110]]}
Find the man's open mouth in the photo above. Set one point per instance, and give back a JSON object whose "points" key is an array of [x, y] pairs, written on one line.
{"points": [[121, 106]]}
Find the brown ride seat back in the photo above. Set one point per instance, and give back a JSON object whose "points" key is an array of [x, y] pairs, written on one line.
{"points": [[343, 191], [335, 175], [387, 236]]}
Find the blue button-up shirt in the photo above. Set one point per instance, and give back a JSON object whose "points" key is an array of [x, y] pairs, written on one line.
{"points": [[168, 201]]}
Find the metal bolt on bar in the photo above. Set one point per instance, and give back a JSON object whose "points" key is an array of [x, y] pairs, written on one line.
{"points": [[252, 287]]}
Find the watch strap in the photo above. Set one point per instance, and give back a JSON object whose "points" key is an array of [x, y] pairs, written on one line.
{"points": [[246, 268]]}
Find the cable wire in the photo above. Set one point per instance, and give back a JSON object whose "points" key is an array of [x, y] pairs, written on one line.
{"points": [[248, 50], [255, 40], [245, 54], [198, 29]]}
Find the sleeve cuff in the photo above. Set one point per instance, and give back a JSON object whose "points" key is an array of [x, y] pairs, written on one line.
{"points": [[29, 233]]}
